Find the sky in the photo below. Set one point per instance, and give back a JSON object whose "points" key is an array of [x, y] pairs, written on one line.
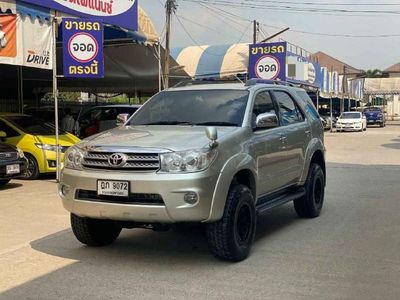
{"points": [[206, 26]]}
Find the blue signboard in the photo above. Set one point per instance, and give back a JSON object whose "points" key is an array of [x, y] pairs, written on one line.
{"points": [[83, 48], [268, 61], [123, 13], [303, 70]]}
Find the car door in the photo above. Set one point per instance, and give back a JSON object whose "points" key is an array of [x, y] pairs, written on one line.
{"points": [[297, 135], [267, 147]]}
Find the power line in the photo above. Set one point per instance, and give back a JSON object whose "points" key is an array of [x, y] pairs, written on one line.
{"points": [[313, 33], [294, 9], [322, 4], [202, 47]]}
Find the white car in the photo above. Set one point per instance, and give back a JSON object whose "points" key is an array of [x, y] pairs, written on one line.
{"points": [[351, 121]]}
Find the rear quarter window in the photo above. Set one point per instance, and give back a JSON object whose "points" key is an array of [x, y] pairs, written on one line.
{"points": [[308, 105]]}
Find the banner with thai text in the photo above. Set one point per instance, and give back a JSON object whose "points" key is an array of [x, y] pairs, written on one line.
{"points": [[83, 48], [123, 13]]}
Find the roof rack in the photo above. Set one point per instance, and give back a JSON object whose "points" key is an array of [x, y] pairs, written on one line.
{"points": [[201, 81], [255, 81]]}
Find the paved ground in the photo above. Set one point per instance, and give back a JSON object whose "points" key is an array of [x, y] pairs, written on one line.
{"points": [[350, 252]]}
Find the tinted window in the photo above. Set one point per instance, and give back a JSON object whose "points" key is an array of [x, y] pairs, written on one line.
{"points": [[8, 130], [32, 125], [310, 107], [202, 107], [289, 110], [350, 116], [263, 103]]}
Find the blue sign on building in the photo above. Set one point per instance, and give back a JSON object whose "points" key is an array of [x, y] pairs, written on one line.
{"points": [[268, 61], [83, 48]]}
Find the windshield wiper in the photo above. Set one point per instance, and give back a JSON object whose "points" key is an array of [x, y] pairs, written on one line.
{"points": [[170, 123], [217, 124]]}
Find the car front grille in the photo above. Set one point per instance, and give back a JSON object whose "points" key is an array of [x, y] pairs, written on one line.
{"points": [[143, 162], [134, 198], [8, 156]]}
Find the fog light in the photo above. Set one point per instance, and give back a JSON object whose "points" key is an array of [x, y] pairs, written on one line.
{"points": [[64, 190], [191, 198], [52, 163]]}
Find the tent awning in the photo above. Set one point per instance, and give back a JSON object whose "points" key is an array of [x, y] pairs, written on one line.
{"points": [[382, 86], [24, 9], [217, 61]]}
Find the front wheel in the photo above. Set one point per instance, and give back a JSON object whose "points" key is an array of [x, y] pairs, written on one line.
{"points": [[32, 170], [231, 237], [310, 205], [93, 232]]}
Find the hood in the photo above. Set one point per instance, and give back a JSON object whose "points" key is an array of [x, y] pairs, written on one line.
{"points": [[65, 139], [173, 138], [7, 148]]}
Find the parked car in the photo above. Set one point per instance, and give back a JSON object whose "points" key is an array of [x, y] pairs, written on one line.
{"points": [[102, 118], [327, 121], [36, 139], [12, 162], [216, 154], [351, 121], [375, 116]]}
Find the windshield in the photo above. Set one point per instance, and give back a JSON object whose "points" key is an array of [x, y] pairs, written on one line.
{"points": [[350, 116], [203, 107], [32, 125], [372, 109]]}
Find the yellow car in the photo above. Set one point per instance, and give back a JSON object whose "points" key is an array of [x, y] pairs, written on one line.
{"points": [[37, 140]]}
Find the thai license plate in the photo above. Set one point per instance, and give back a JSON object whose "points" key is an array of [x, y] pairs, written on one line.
{"points": [[113, 188], [12, 169]]}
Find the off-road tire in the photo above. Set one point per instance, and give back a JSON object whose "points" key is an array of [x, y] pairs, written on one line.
{"points": [[3, 182], [231, 237], [32, 169], [93, 232], [310, 205]]}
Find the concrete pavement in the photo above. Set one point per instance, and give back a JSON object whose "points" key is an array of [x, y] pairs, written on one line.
{"points": [[350, 252]]}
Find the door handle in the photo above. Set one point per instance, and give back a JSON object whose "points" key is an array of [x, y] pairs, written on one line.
{"points": [[283, 138], [307, 132]]}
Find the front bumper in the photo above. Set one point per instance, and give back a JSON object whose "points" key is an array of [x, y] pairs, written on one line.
{"points": [[346, 127], [3, 168], [171, 188]]}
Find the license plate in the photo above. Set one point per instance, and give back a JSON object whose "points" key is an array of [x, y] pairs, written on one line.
{"points": [[113, 188], [12, 169]]}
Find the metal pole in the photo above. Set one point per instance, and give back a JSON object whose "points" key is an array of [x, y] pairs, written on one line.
{"points": [[159, 67], [331, 112], [318, 100], [254, 32], [55, 96]]}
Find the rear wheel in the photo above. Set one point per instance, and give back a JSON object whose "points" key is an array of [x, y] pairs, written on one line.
{"points": [[4, 182], [93, 232], [32, 170], [310, 205], [231, 237]]}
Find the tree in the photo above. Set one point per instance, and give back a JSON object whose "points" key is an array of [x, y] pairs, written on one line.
{"points": [[375, 73]]}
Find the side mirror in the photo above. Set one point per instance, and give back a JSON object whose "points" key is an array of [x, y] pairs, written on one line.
{"points": [[364, 117], [122, 119], [212, 135], [3, 135], [266, 121]]}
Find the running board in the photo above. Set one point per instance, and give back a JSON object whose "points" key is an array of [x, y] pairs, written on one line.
{"points": [[268, 203]]}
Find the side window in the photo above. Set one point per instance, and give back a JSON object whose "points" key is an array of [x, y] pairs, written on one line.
{"points": [[8, 130], [263, 104], [109, 114], [289, 110]]}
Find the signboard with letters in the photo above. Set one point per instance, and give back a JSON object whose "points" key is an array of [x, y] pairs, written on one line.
{"points": [[123, 13], [301, 69], [268, 61], [83, 48]]}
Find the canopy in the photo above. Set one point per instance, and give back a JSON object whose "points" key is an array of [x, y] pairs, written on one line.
{"points": [[24, 9], [213, 61], [382, 86]]}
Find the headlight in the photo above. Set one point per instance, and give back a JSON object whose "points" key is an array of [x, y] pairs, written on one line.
{"points": [[73, 158], [187, 161], [47, 147], [20, 153]]}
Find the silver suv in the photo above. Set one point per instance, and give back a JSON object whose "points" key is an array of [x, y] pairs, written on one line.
{"points": [[217, 154]]}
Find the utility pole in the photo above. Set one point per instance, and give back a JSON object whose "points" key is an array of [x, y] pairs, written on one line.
{"points": [[256, 29], [170, 8]]}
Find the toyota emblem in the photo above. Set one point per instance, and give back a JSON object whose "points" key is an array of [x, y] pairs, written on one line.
{"points": [[117, 160]]}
